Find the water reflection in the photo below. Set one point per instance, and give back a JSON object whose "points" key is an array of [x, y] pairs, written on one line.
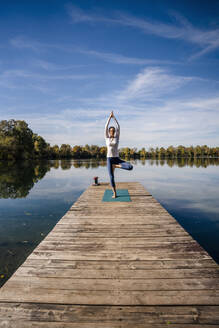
{"points": [[35, 195], [18, 178], [180, 162]]}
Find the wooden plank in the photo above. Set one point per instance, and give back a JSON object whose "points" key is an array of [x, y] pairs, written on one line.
{"points": [[145, 284], [140, 220], [112, 240], [125, 242], [112, 324], [115, 255], [122, 264], [101, 247], [104, 315], [30, 293], [89, 271]]}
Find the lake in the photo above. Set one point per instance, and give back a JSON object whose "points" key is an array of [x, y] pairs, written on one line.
{"points": [[35, 195]]}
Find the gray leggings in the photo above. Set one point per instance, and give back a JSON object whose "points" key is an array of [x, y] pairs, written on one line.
{"points": [[116, 160]]}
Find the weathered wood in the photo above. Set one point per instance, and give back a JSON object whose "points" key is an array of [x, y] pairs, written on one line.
{"points": [[31, 293], [51, 315], [111, 265], [144, 284], [122, 264], [92, 271]]}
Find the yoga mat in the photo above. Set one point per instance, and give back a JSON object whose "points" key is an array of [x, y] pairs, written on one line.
{"points": [[122, 196]]}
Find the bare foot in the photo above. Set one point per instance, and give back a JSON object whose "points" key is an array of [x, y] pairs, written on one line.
{"points": [[114, 196]]}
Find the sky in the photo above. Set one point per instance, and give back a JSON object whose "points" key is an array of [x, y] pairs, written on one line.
{"points": [[65, 65]]}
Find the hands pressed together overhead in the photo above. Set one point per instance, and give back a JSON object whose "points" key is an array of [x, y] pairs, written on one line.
{"points": [[111, 114]]}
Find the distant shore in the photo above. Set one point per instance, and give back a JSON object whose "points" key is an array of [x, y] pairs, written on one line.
{"points": [[17, 141]]}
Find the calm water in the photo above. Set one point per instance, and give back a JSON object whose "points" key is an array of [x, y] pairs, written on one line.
{"points": [[35, 195]]}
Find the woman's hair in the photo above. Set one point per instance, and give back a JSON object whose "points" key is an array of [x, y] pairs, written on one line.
{"points": [[112, 127]]}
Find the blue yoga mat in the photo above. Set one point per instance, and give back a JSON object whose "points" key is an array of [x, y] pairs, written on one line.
{"points": [[122, 196]]}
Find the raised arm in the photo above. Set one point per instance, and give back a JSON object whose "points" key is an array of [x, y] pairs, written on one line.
{"points": [[106, 134], [117, 128]]}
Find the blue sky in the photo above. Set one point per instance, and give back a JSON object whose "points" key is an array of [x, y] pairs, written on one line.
{"points": [[66, 64]]}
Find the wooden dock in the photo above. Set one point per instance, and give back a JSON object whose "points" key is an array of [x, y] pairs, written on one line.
{"points": [[114, 265]]}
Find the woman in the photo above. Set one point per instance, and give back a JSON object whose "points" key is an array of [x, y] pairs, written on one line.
{"points": [[113, 160]]}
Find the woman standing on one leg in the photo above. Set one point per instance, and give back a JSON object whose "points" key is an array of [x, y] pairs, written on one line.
{"points": [[112, 141]]}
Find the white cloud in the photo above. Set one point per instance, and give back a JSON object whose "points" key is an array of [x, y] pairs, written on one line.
{"points": [[23, 43], [78, 15], [26, 79], [49, 66], [121, 59], [20, 73], [152, 82], [147, 86], [207, 40]]}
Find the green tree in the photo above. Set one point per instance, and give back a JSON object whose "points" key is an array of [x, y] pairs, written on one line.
{"points": [[142, 152], [65, 151], [55, 151], [16, 140], [40, 146]]}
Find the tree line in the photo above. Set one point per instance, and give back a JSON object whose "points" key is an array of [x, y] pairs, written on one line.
{"points": [[18, 141]]}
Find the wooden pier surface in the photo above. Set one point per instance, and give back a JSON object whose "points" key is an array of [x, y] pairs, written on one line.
{"points": [[111, 265]]}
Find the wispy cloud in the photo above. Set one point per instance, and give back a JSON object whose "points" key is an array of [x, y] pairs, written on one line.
{"points": [[149, 85], [21, 79], [78, 15], [21, 42], [207, 40], [28, 74], [49, 66], [24, 43], [152, 82], [121, 59]]}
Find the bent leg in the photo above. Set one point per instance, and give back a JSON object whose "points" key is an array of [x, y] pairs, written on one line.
{"points": [[124, 165]]}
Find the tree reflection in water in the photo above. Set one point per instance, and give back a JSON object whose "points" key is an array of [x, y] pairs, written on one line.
{"points": [[18, 178]]}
